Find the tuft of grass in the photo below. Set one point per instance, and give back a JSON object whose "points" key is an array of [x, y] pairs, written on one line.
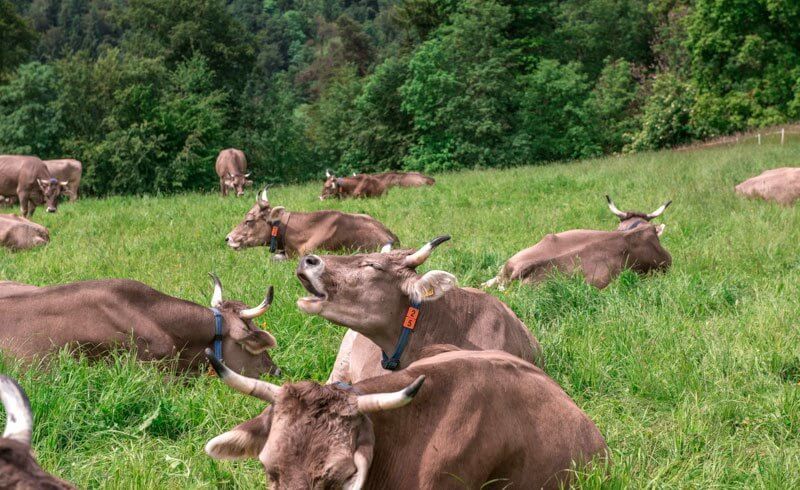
{"points": [[692, 375]]}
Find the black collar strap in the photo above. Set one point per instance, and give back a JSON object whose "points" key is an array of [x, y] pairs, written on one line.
{"points": [[409, 322], [277, 237], [217, 333]]}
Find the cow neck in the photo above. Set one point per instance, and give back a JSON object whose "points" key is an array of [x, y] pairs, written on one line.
{"points": [[409, 323], [277, 240]]}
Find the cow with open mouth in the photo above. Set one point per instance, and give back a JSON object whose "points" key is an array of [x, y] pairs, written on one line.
{"points": [[290, 234], [18, 468], [363, 185], [28, 178], [99, 316], [598, 255], [456, 419], [393, 312], [231, 168]]}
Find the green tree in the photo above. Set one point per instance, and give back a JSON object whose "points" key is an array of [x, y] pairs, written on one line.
{"points": [[16, 41], [613, 106], [666, 116], [30, 118]]}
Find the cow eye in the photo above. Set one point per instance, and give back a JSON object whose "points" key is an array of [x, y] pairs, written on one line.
{"points": [[375, 266]]}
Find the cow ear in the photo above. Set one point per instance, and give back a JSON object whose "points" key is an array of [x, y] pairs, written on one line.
{"points": [[660, 229], [276, 213], [431, 286], [246, 440], [257, 341]]}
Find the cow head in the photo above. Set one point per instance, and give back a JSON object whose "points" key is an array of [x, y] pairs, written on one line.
{"points": [[244, 346], [51, 189], [331, 187], [312, 436], [254, 229], [369, 292], [629, 220], [237, 182]]}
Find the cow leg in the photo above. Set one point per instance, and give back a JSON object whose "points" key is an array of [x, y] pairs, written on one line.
{"points": [[26, 206], [223, 189], [341, 367]]}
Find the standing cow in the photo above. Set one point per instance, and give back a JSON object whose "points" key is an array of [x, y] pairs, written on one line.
{"points": [[231, 167], [98, 316], [294, 233], [18, 469], [67, 170], [357, 186], [473, 417], [28, 178], [398, 312], [17, 233]]}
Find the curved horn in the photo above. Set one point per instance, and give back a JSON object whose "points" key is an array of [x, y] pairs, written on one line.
{"points": [[249, 386], [327, 173], [65, 183], [263, 197], [19, 418], [216, 298], [619, 214], [259, 310], [248, 174], [388, 401], [420, 256], [657, 212]]}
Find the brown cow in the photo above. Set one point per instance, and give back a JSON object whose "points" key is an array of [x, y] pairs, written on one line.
{"points": [[231, 166], [27, 177], [481, 416], [375, 294], [67, 170], [18, 468], [781, 185], [18, 233], [10, 288], [404, 179], [301, 233], [357, 186], [599, 255], [98, 316]]}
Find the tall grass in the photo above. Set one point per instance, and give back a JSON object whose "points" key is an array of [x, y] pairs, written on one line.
{"points": [[691, 375]]}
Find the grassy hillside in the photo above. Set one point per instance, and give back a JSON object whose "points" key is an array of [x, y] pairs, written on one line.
{"points": [[691, 375]]}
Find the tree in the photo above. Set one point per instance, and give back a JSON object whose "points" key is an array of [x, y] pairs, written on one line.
{"points": [[17, 40], [30, 119]]}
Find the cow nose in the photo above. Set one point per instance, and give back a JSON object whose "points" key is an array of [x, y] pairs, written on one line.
{"points": [[51, 210], [227, 239], [310, 261]]}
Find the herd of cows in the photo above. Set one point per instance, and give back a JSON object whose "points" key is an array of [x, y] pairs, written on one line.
{"points": [[480, 407]]}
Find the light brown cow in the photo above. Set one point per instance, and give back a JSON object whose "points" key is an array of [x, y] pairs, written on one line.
{"points": [[19, 233], [599, 255], [781, 185], [301, 233], [67, 170], [231, 166], [404, 179], [479, 416], [98, 316], [18, 469], [357, 186], [373, 294], [10, 288], [27, 177]]}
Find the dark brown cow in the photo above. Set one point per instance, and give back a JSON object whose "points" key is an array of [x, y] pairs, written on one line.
{"points": [[781, 185], [599, 255], [480, 416], [357, 186], [67, 170], [404, 179], [27, 177], [231, 166], [19, 233], [18, 469], [301, 233], [98, 316], [373, 294]]}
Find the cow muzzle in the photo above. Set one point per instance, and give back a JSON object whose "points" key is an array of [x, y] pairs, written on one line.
{"points": [[309, 272], [51, 209]]}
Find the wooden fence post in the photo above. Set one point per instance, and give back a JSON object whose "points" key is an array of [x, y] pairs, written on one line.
{"points": [[759, 138], [783, 130]]}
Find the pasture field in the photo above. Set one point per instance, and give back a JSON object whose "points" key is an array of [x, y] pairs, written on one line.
{"points": [[692, 375]]}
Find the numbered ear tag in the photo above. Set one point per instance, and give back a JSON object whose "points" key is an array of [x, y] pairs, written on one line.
{"points": [[410, 321], [275, 230]]}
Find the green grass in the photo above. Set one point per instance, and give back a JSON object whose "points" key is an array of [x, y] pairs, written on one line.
{"points": [[691, 375]]}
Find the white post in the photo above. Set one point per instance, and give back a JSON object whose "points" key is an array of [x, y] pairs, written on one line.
{"points": [[782, 133], [759, 138]]}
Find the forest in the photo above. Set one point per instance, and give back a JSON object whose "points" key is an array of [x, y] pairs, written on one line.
{"points": [[146, 92]]}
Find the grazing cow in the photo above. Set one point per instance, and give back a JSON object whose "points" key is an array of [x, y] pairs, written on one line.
{"points": [[67, 170], [357, 186], [231, 167], [599, 255], [27, 177], [293, 233], [476, 417], [404, 179], [781, 185], [19, 233], [396, 311], [18, 469], [98, 316]]}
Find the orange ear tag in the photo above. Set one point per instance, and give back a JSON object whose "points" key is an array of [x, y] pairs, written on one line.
{"points": [[410, 321], [274, 231], [429, 293]]}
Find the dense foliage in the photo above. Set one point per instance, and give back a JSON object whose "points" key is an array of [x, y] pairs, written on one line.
{"points": [[146, 92]]}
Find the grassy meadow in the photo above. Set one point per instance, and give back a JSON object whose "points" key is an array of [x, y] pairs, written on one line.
{"points": [[691, 375]]}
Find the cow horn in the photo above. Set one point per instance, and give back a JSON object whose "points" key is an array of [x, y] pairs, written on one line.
{"points": [[216, 298], [263, 197], [420, 256], [19, 418], [249, 386], [657, 212], [259, 310], [619, 214], [248, 174], [327, 173], [386, 248], [387, 401]]}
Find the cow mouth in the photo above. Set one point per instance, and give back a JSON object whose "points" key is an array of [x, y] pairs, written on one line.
{"points": [[310, 304]]}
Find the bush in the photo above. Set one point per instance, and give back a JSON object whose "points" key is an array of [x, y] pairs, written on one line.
{"points": [[666, 118]]}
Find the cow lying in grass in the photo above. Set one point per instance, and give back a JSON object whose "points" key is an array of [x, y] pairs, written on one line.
{"points": [[363, 185], [382, 298], [598, 255], [479, 416], [781, 185], [18, 233], [294, 233], [18, 468]]}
